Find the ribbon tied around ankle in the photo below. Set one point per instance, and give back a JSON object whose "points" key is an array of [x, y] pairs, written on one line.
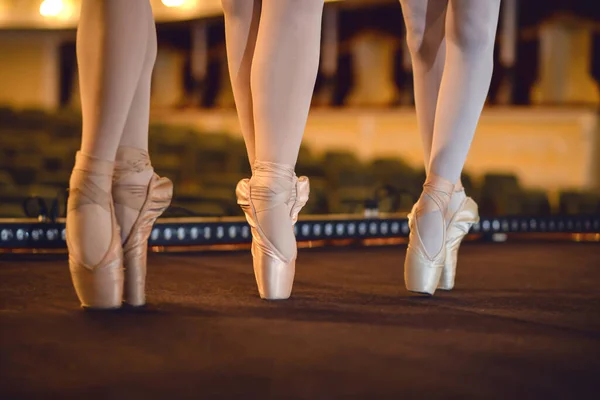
{"points": [[272, 184]]}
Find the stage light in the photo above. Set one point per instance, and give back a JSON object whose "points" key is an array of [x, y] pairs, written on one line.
{"points": [[514, 225], [317, 229], [173, 3], [362, 228], [36, 234], [351, 229], [372, 228], [384, 228], [405, 228], [51, 8], [22, 234], [62, 9], [246, 231], [6, 235], [232, 232], [486, 225], [305, 230], [496, 225], [532, 225], [52, 234]]}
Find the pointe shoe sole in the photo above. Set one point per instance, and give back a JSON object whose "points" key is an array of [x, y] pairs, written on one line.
{"points": [[274, 278]]}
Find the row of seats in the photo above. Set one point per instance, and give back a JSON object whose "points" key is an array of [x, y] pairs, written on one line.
{"points": [[37, 153]]}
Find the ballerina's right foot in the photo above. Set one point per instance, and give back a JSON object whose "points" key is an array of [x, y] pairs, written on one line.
{"points": [[460, 218], [271, 201], [93, 238], [140, 197], [426, 255]]}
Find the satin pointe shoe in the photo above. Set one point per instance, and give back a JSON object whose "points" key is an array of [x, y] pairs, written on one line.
{"points": [[151, 200], [458, 226], [274, 272], [422, 271], [97, 286]]}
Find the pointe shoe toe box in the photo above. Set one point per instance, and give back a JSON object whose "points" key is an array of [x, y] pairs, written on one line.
{"points": [[99, 287], [421, 274]]}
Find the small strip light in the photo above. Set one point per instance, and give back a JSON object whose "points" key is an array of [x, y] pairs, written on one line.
{"points": [[53, 235]]}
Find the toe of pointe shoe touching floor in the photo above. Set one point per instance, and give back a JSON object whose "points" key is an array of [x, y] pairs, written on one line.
{"points": [[149, 202], [271, 201], [458, 227]]}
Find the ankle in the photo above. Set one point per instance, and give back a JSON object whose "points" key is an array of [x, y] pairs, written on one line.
{"points": [[457, 197], [271, 186], [89, 168], [277, 177], [436, 195], [133, 165], [133, 172], [455, 202]]}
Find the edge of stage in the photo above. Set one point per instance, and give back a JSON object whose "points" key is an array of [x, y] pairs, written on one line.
{"points": [[233, 233]]}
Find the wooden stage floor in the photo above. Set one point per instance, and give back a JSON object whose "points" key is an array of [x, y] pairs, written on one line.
{"points": [[523, 322]]}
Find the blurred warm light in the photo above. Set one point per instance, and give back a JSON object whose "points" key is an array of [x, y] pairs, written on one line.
{"points": [[173, 3], [57, 9], [51, 8]]}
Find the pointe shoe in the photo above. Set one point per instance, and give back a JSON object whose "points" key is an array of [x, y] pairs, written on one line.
{"points": [[155, 199], [99, 286], [459, 225], [422, 272], [273, 271]]}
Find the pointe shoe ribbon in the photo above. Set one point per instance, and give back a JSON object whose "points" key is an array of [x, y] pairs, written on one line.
{"points": [[259, 239], [300, 194]]}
